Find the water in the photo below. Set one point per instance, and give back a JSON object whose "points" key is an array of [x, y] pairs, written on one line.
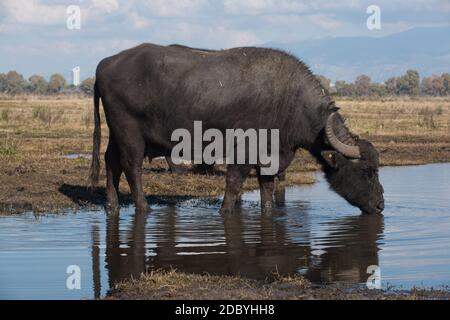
{"points": [[315, 233], [74, 156]]}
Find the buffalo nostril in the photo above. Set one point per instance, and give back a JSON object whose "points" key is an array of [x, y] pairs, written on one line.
{"points": [[381, 206]]}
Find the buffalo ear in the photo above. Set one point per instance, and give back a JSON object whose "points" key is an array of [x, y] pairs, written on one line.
{"points": [[333, 158]]}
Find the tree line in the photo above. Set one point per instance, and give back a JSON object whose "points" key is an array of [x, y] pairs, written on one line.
{"points": [[408, 84], [13, 83]]}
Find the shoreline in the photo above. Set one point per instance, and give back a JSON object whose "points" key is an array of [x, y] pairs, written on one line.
{"points": [[159, 184], [174, 285]]}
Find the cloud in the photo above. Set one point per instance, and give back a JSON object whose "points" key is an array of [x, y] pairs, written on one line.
{"points": [[138, 21], [254, 7], [225, 38], [446, 7], [197, 35], [33, 12], [106, 5], [325, 21], [175, 8]]}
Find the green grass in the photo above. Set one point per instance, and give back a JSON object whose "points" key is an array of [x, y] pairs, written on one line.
{"points": [[8, 146]]}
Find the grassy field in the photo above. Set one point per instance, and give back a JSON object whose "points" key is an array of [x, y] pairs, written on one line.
{"points": [[37, 134]]}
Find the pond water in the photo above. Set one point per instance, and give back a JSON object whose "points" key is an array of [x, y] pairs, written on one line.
{"points": [[73, 156], [315, 233]]}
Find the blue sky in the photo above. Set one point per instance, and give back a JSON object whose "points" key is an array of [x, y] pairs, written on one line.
{"points": [[34, 37]]}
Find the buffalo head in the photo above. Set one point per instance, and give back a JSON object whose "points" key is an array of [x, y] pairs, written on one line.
{"points": [[352, 167]]}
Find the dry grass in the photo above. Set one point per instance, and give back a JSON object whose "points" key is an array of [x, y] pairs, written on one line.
{"points": [[398, 116], [405, 130], [172, 284], [36, 133], [166, 285]]}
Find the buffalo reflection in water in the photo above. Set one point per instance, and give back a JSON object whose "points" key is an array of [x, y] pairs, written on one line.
{"points": [[256, 247]]}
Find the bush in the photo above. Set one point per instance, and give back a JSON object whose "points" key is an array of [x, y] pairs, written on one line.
{"points": [[56, 84], [427, 118], [4, 116], [87, 86], [42, 113]]}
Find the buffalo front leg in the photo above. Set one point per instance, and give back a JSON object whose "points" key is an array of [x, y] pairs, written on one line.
{"points": [[134, 178], [236, 175], [113, 173], [266, 185]]}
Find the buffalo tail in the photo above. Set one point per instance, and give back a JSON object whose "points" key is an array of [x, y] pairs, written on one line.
{"points": [[95, 164]]}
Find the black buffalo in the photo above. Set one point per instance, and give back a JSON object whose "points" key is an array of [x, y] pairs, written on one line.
{"points": [[151, 90]]}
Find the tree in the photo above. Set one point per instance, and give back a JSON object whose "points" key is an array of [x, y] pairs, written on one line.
{"points": [[345, 89], [377, 89], [391, 86], [434, 86], [87, 86], [3, 82], [57, 83], [446, 80], [409, 83], [15, 83], [38, 84], [426, 86], [362, 84]]}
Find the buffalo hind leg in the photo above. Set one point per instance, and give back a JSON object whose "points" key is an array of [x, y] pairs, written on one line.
{"points": [[266, 185], [113, 173], [236, 175], [132, 166], [175, 168]]}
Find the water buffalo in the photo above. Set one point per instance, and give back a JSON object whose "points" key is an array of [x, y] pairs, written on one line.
{"points": [[150, 90]]}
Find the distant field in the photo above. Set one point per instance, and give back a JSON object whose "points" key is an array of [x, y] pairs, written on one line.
{"points": [[37, 133], [405, 131]]}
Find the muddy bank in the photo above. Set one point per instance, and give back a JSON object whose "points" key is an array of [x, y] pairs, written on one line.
{"points": [[163, 285], [54, 184], [61, 184]]}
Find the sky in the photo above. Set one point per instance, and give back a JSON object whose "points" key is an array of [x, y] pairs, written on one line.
{"points": [[34, 37]]}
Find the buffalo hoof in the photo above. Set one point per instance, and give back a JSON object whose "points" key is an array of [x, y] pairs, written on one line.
{"points": [[112, 209], [225, 211], [267, 208], [142, 209]]}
